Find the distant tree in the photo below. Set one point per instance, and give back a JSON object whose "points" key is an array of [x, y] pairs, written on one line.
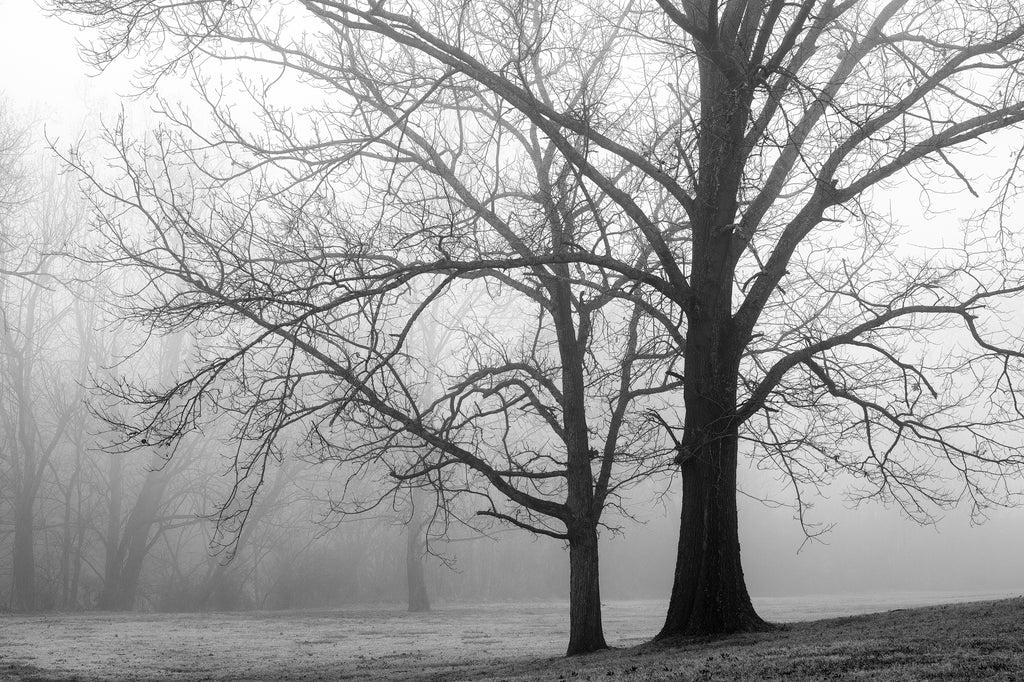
{"points": [[14, 180], [39, 398], [230, 538], [134, 528], [75, 474], [731, 159], [415, 574]]}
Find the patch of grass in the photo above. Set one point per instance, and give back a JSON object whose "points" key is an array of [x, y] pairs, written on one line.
{"points": [[975, 641]]}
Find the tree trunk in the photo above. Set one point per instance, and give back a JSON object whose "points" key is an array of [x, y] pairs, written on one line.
{"points": [[112, 541], [586, 634], [70, 534], [66, 543], [24, 566], [709, 595], [121, 580], [414, 570], [131, 571], [76, 566]]}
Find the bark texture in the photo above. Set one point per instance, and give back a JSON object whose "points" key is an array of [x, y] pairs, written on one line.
{"points": [[709, 594], [586, 633]]}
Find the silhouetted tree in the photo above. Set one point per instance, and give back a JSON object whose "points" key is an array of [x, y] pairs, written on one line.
{"points": [[731, 159]]}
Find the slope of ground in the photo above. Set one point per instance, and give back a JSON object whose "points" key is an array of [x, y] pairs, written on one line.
{"points": [[976, 641]]}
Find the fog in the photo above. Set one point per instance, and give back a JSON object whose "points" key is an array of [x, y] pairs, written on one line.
{"points": [[171, 527], [869, 550]]}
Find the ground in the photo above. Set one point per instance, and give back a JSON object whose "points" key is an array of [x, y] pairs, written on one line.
{"points": [[974, 641]]}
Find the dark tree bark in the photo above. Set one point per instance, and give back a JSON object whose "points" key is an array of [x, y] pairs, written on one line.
{"points": [[709, 595], [586, 632]]}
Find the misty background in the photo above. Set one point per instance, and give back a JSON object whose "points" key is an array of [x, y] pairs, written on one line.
{"points": [[91, 506]]}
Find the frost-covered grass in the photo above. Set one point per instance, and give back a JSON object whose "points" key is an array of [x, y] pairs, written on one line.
{"points": [[983, 640]]}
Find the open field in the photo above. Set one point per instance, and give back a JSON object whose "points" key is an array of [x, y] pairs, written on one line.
{"points": [[980, 640]]}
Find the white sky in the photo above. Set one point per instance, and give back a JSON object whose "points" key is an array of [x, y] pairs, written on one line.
{"points": [[42, 78]]}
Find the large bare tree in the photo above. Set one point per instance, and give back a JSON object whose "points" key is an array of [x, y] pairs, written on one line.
{"points": [[736, 160]]}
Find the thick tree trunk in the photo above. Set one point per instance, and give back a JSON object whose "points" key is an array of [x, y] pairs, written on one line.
{"points": [[24, 564], [586, 634], [709, 595]]}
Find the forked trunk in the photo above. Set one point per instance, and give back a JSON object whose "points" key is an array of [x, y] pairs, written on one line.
{"points": [[124, 568], [585, 631], [709, 595]]}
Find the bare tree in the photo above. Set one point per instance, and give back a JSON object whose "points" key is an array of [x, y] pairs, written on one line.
{"points": [[39, 399], [732, 158], [76, 472], [547, 408], [130, 536]]}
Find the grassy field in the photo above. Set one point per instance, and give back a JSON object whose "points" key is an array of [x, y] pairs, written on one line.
{"points": [[974, 641]]}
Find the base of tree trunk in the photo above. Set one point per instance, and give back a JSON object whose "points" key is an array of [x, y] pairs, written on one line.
{"points": [[737, 623], [709, 593], [419, 606], [586, 634]]}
